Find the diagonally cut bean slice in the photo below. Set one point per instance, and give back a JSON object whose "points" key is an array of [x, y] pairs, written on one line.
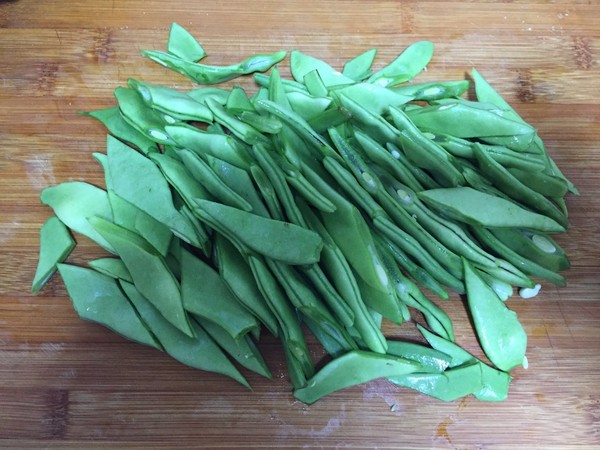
{"points": [[55, 245]]}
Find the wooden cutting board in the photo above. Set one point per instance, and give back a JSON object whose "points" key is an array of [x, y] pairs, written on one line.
{"points": [[71, 384]]}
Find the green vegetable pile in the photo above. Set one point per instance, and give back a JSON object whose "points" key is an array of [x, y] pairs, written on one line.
{"points": [[323, 204]]}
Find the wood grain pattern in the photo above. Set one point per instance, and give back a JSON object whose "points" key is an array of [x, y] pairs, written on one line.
{"points": [[67, 383]]}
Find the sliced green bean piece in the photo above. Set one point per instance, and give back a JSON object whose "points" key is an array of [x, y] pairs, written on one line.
{"points": [[314, 84], [477, 208], [373, 97], [268, 237], [494, 244], [181, 43], [205, 294], [510, 185], [448, 386], [288, 85], [218, 145], [502, 289], [548, 185], [359, 67], [148, 270], [305, 189], [112, 119], [353, 368], [210, 182], [238, 102], [308, 106], [539, 248], [290, 330], [174, 104], [240, 182], [406, 66], [424, 178], [385, 303], [138, 180], [432, 91], [264, 124], [98, 298], [134, 219], [433, 361], [198, 351], [494, 382], [243, 350], [466, 121], [205, 74], [423, 152], [74, 202], [201, 94], [113, 267], [241, 130], [55, 246], [141, 117], [499, 331], [275, 211], [338, 269], [301, 64], [238, 276]]}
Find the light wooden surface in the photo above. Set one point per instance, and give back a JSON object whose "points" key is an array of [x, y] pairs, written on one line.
{"points": [[69, 383]]}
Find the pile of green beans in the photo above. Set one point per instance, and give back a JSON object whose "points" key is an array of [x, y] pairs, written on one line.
{"points": [[320, 204]]}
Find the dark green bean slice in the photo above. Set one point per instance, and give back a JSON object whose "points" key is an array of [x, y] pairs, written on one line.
{"points": [[204, 293], [539, 248], [55, 246], [74, 202], [113, 267], [425, 180], [406, 66], [275, 211], [141, 117], [181, 43], [138, 180], [199, 351], [175, 104], [264, 124], [477, 208], [494, 244], [518, 191], [432, 360], [218, 145], [238, 276], [112, 119], [98, 298], [268, 237], [148, 270], [433, 90], [385, 303], [499, 331], [359, 67], [204, 74], [353, 368]]}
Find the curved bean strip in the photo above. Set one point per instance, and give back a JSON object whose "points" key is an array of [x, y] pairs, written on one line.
{"points": [[406, 66], [275, 211], [204, 74], [375, 98], [301, 64], [113, 267], [359, 67], [547, 185], [355, 367], [182, 44], [424, 178], [98, 298], [289, 86], [242, 130], [432, 91]]}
